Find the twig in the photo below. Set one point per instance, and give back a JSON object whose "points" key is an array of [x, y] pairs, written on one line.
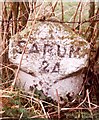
{"points": [[80, 108], [81, 102], [80, 18], [40, 116], [43, 109], [21, 116], [58, 104], [75, 14], [16, 75], [90, 109], [54, 6], [62, 8], [92, 24], [73, 22]]}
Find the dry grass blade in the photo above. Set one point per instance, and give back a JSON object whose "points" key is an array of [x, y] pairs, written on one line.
{"points": [[80, 108], [45, 114], [21, 116]]}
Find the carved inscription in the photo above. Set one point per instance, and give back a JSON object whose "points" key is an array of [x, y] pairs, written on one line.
{"points": [[56, 67], [60, 51], [47, 48], [34, 49], [71, 51], [45, 65]]}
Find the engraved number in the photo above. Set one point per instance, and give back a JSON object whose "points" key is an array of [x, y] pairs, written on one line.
{"points": [[45, 64]]}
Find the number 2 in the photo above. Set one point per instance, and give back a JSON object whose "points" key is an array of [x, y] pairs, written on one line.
{"points": [[45, 64]]}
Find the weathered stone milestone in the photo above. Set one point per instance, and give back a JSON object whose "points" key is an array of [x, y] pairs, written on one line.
{"points": [[52, 53]]}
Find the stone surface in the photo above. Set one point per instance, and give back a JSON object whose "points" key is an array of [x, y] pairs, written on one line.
{"points": [[52, 54]]}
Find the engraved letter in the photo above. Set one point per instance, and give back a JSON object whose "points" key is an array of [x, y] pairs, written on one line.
{"points": [[71, 51], [61, 53], [47, 48], [34, 49]]}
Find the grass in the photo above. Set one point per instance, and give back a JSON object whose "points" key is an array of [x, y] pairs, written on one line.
{"points": [[20, 105]]}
